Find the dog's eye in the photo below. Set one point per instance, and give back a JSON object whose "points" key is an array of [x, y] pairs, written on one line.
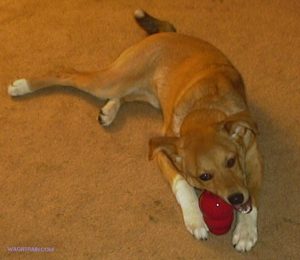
{"points": [[206, 176], [230, 162]]}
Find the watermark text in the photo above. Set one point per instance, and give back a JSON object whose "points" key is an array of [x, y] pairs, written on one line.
{"points": [[15, 249]]}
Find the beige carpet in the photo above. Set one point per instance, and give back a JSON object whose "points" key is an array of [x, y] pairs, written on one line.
{"points": [[90, 193]]}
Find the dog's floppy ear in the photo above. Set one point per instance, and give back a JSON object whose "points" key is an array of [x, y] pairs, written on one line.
{"points": [[241, 128], [169, 146]]}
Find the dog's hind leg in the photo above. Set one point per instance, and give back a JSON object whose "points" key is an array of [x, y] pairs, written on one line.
{"points": [[104, 84], [122, 81], [64, 77], [129, 78], [112, 84], [107, 83]]}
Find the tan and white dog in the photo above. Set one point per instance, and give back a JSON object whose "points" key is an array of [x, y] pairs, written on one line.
{"points": [[209, 138]]}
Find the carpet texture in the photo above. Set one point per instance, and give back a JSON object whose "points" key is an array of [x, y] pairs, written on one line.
{"points": [[90, 193]]}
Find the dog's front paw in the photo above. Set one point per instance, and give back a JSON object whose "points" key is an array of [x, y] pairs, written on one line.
{"points": [[195, 224], [188, 200], [244, 238], [19, 88], [108, 112], [245, 233]]}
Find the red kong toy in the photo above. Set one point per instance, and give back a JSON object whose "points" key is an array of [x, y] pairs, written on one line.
{"points": [[218, 214]]}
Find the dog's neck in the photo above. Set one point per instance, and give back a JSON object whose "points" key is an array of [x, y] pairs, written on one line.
{"points": [[199, 119]]}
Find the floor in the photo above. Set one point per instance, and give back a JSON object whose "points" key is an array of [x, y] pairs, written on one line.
{"points": [[85, 192]]}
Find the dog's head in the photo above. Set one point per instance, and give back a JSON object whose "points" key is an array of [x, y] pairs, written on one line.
{"points": [[214, 158]]}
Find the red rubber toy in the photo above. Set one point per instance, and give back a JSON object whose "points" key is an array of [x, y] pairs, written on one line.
{"points": [[218, 214]]}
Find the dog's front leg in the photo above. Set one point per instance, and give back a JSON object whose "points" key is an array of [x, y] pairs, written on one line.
{"points": [[245, 233], [186, 198]]}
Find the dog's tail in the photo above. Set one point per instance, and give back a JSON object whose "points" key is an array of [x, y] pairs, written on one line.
{"points": [[151, 24]]}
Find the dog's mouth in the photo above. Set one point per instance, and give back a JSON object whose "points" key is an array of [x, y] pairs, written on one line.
{"points": [[244, 208]]}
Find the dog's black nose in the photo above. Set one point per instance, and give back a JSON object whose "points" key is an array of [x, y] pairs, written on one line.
{"points": [[236, 198]]}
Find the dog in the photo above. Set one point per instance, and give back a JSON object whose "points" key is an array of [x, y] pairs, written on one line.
{"points": [[209, 137]]}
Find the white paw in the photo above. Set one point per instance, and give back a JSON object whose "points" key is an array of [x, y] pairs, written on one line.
{"points": [[244, 238], [245, 233], [109, 111], [19, 88], [188, 200], [195, 225]]}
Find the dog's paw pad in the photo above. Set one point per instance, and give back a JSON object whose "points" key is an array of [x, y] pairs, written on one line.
{"points": [[244, 237], [19, 88], [108, 112]]}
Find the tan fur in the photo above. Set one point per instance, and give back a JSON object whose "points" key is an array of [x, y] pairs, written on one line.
{"points": [[202, 98], [193, 83]]}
